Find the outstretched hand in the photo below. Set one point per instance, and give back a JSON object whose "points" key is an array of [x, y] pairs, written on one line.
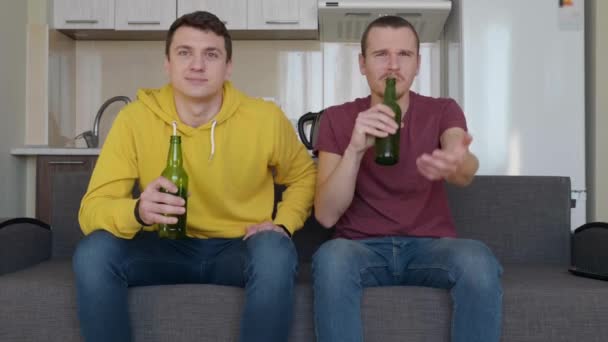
{"points": [[441, 164]]}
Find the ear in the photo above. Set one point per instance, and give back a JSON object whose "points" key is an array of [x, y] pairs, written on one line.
{"points": [[362, 68], [166, 65], [228, 73], [418, 66]]}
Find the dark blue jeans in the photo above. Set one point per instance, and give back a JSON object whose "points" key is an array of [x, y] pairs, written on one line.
{"points": [[343, 268], [106, 266]]}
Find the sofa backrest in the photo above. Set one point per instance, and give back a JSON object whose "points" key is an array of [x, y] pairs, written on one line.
{"points": [[523, 219]]}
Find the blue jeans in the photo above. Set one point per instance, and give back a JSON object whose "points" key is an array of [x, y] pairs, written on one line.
{"points": [[343, 268], [106, 266]]}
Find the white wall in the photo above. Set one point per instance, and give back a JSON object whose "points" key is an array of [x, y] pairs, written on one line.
{"points": [[13, 20]]}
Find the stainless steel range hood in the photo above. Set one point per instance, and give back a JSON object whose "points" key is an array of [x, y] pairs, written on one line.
{"points": [[345, 21]]}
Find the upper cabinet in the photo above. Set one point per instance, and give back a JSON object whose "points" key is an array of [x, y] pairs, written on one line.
{"points": [[232, 12], [144, 14], [282, 15], [83, 14], [150, 19]]}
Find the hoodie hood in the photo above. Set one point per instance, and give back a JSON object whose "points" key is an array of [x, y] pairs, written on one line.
{"points": [[161, 102]]}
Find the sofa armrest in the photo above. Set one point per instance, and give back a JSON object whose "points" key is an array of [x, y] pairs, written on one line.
{"points": [[24, 242]]}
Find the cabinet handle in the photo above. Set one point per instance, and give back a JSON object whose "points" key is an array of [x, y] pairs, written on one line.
{"points": [[66, 162], [143, 22], [409, 15], [367, 14], [81, 21], [282, 22]]}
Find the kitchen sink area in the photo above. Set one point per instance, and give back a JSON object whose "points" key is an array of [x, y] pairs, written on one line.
{"points": [[45, 166]]}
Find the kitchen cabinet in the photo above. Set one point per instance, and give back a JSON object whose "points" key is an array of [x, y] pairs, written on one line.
{"points": [[48, 170], [83, 14], [150, 19], [232, 12], [141, 15], [282, 15]]}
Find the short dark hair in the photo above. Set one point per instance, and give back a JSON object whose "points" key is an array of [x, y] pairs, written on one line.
{"points": [[203, 21], [392, 21]]}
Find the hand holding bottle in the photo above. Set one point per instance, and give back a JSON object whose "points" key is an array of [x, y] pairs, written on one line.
{"points": [[155, 206], [376, 122], [177, 179]]}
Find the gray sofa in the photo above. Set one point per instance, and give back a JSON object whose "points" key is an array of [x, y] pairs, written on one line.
{"points": [[525, 220]]}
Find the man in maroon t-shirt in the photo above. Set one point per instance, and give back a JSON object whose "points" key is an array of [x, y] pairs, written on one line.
{"points": [[393, 224]]}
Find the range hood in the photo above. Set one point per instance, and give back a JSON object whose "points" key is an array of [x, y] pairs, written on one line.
{"points": [[345, 21]]}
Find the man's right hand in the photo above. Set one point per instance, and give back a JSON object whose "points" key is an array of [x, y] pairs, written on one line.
{"points": [[154, 204], [376, 122]]}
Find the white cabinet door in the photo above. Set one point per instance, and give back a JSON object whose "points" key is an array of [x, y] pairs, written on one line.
{"points": [[282, 15], [83, 14], [232, 12], [145, 14]]}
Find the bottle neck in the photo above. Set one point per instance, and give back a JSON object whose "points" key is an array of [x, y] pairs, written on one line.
{"points": [[174, 159], [390, 93]]}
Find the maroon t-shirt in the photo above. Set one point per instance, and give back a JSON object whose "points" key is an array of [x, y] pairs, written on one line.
{"points": [[395, 200]]}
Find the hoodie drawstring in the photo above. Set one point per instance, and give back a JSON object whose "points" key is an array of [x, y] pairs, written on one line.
{"points": [[212, 139]]}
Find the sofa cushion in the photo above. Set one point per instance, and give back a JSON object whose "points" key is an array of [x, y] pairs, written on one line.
{"points": [[541, 303], [549, 304], [38, 304]]}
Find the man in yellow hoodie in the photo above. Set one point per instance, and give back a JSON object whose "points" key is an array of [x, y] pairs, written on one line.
{"points": [[234, 149]]}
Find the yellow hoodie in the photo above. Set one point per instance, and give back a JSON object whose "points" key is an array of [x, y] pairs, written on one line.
{"points": [[230, 163]]}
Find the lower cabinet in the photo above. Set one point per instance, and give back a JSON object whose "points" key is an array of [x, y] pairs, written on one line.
{"points": [[54, 178]]}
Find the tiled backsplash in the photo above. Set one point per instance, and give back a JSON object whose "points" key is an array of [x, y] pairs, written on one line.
{"points": [[289, 72]]}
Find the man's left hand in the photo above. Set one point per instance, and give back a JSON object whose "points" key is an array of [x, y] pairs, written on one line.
{"points": [[442, 164], [260, 227]]}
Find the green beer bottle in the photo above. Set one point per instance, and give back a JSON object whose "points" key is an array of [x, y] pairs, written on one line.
{"points": [[387, 149], [174, 172]]}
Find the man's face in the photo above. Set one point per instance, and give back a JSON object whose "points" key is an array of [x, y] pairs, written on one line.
{"points": [[196, 64], [390, 51]]}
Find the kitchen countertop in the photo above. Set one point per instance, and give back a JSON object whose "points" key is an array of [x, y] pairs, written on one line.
{"points": [[36, 150]]}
